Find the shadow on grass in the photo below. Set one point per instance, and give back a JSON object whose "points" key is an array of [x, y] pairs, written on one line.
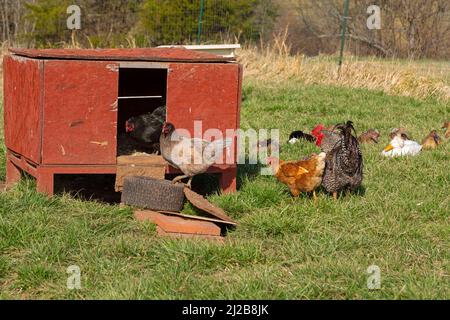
{"points": [[247, 171], [360, 191], [204, 184]]}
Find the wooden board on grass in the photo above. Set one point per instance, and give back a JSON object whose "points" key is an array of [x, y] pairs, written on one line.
{"points": [[188, 216], [175, 224], [151, 166], [201, 203]]}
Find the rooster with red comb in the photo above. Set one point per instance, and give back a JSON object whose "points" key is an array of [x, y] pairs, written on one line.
{"points": [[326, 137], [343, 162]]}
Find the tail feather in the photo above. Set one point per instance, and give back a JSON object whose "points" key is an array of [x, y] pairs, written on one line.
{"points": [[296, 135], [346, 130]]}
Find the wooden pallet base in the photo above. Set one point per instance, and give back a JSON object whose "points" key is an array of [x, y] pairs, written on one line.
{"points": [[44, 174]]}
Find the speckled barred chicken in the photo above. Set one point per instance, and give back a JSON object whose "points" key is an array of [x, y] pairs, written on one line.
{"points": [[344, 162]]}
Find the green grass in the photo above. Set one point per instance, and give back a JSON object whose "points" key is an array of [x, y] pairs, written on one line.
{"points": [[284, 248]]}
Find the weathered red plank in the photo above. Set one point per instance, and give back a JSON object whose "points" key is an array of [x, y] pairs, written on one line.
{"points": [[80, 112], [176, 224], [22, 93], [206, 92], [137, 54]]}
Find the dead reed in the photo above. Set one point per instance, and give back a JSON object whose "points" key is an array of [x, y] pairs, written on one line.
{"points": [[273, 63]]}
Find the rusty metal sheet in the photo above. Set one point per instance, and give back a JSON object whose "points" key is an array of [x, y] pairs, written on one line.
{"points": [[201, 203], [188, 216], [177, 224], [80, 112], [136, 54], [22, 101]]}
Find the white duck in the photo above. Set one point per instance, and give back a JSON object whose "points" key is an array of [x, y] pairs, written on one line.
{"points": [[401, 146]]}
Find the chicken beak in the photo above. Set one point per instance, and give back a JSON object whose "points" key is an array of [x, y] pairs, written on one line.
{"points": [[388, 148]]}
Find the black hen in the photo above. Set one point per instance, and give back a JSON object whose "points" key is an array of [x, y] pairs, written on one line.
{"points": [[297, 135], [344, 163], [147, 127]]}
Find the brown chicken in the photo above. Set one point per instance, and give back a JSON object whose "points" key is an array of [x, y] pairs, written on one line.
{"points": [[300, 175], [370, 136], [431, 141], [447, 131]]}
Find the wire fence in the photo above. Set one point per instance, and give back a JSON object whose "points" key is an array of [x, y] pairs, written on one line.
{"points": [[150, 22], [313, 26]]}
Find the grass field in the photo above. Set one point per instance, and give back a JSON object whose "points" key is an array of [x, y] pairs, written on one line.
{"points": [[284, 248]]}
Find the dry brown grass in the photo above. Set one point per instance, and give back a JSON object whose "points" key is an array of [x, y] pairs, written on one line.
{"points": [[2, 52], [420, 79], [272, 64], [3, 49]]}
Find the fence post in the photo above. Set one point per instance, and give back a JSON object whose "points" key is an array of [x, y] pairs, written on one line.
{"points": [[200, 20], [343, 30]]}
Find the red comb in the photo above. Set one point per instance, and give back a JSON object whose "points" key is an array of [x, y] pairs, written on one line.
{"points": [[317, 132], [317, 129]]}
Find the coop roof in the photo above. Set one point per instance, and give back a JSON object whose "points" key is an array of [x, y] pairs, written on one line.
{"points": [[139, 54]]}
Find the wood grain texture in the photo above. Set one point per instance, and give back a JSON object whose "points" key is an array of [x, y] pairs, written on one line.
{"points": [[151, 166], [135, 54], [22, 94], [205, 92], [174, 224], [201, 203], [80, 112]]}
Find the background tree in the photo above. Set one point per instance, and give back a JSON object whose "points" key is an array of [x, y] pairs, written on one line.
{"points": [[409, 28], [176, 21], [48, 21]]}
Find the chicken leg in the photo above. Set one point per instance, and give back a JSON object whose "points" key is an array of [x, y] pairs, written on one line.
{"points": [[188, 184], [315, 198], [335, 196], [179, 178]]}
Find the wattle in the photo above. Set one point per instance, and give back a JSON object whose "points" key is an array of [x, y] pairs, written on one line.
{"points": [[319, 140]]}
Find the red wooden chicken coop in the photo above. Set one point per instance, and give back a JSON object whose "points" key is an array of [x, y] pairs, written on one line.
{"points": [[64, 109]]}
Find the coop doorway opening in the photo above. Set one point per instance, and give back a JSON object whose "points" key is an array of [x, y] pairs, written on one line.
{"points": [[141, 110]]}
